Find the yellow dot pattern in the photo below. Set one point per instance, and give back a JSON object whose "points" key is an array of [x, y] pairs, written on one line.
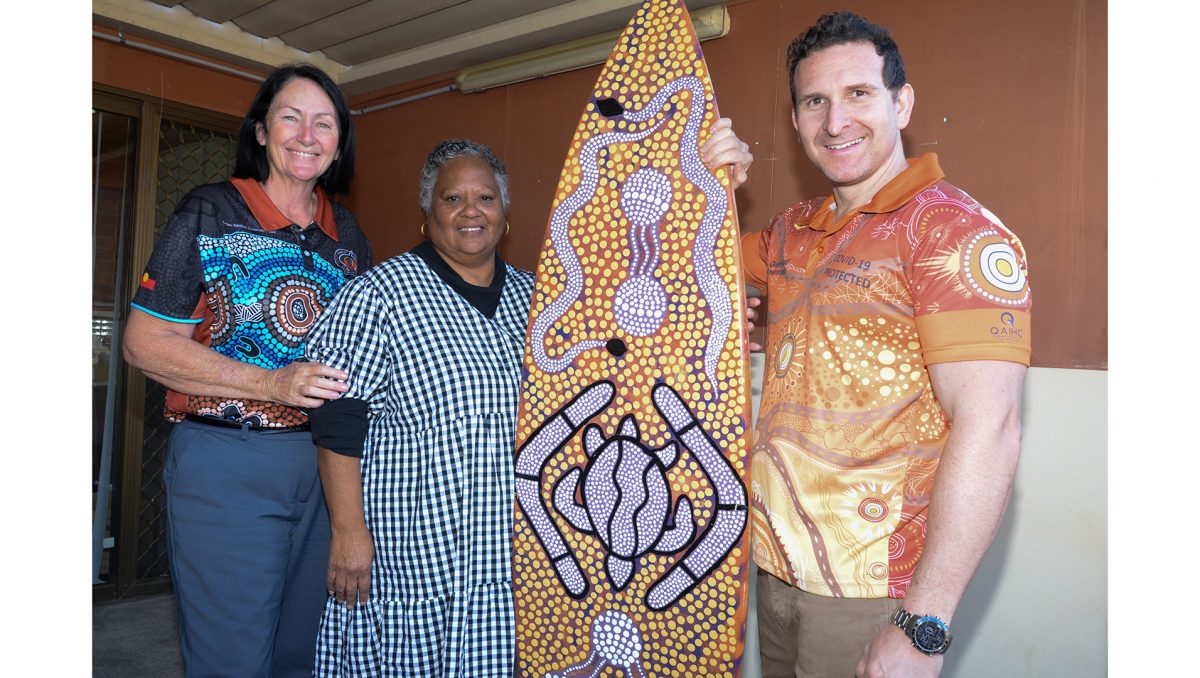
{"points": [[702, 634]]}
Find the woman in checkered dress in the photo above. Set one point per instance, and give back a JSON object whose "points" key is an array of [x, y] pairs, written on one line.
{"points": [[416, 458]]}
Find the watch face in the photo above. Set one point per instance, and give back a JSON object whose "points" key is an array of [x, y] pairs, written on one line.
{"points": [[929, 636]]}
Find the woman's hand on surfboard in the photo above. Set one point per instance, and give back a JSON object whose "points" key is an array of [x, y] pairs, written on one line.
{"points": [[723, 147]]}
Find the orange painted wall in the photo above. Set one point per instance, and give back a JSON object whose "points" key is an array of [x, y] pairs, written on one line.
{"points": [[146, 73], [1012, 96]]}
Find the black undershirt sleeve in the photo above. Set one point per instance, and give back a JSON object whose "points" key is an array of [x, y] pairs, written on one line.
{"points": [[340, 426]]}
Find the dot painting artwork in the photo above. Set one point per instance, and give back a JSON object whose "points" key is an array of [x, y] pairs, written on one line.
{"points": [[630, 553]]}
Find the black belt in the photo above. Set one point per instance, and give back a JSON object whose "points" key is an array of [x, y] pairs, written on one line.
{"points": [[229, 423]]}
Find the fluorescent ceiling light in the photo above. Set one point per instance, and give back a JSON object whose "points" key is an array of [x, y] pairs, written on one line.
{"points": [[710, 22]]}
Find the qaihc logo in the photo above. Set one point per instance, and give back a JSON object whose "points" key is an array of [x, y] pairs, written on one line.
{"points": [[1008, 327]]}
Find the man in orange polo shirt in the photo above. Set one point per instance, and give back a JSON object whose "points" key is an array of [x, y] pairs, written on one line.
{"points": [[897, 342]]}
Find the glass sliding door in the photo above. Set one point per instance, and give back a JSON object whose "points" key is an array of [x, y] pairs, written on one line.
{"points": [[114, 150]]}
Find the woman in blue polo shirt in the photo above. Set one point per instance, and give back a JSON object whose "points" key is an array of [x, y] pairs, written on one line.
{"points": [[242, 271]]}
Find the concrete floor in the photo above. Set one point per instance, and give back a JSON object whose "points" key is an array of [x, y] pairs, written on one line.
{"points": [[136, 638]]}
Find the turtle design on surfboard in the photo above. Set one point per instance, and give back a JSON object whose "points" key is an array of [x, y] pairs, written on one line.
{"points": [[626, 498]]}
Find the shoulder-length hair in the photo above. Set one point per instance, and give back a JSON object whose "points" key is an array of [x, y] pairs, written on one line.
{"points": [[252, 157]]}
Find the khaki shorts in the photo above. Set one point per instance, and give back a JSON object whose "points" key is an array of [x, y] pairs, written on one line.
{"points": [[805, 635]]}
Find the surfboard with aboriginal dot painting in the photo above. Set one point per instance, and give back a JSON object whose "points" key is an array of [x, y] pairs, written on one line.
{"points": [[630, 553]]}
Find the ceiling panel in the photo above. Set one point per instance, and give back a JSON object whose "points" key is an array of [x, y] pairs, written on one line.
{"points": [[220, 11], [363, 19], [276, 18], [460, 18]]}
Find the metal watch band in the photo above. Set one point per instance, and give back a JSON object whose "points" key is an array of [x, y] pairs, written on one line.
{"points": [[901, 617]]}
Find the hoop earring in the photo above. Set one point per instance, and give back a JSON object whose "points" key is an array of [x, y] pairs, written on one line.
{"points": [[507, 228], [423, 230]]}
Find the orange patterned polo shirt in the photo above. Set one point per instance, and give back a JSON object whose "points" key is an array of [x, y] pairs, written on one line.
{"points": [[849, 433]]}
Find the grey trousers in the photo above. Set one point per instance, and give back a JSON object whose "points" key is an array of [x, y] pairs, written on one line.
{"points": [[248, 538]]}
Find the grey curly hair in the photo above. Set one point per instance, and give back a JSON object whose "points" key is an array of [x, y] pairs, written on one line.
{"points": [[456, 148]]}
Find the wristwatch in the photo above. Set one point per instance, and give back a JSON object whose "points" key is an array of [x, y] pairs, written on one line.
{"points": [[928, 634]]}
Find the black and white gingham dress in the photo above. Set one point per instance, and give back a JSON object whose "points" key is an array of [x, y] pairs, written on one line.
{"points": [[441, 381]]}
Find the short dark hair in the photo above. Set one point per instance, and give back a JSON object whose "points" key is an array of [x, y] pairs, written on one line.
{"points": [[252, 157], [450, 149], [840, 28]]}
